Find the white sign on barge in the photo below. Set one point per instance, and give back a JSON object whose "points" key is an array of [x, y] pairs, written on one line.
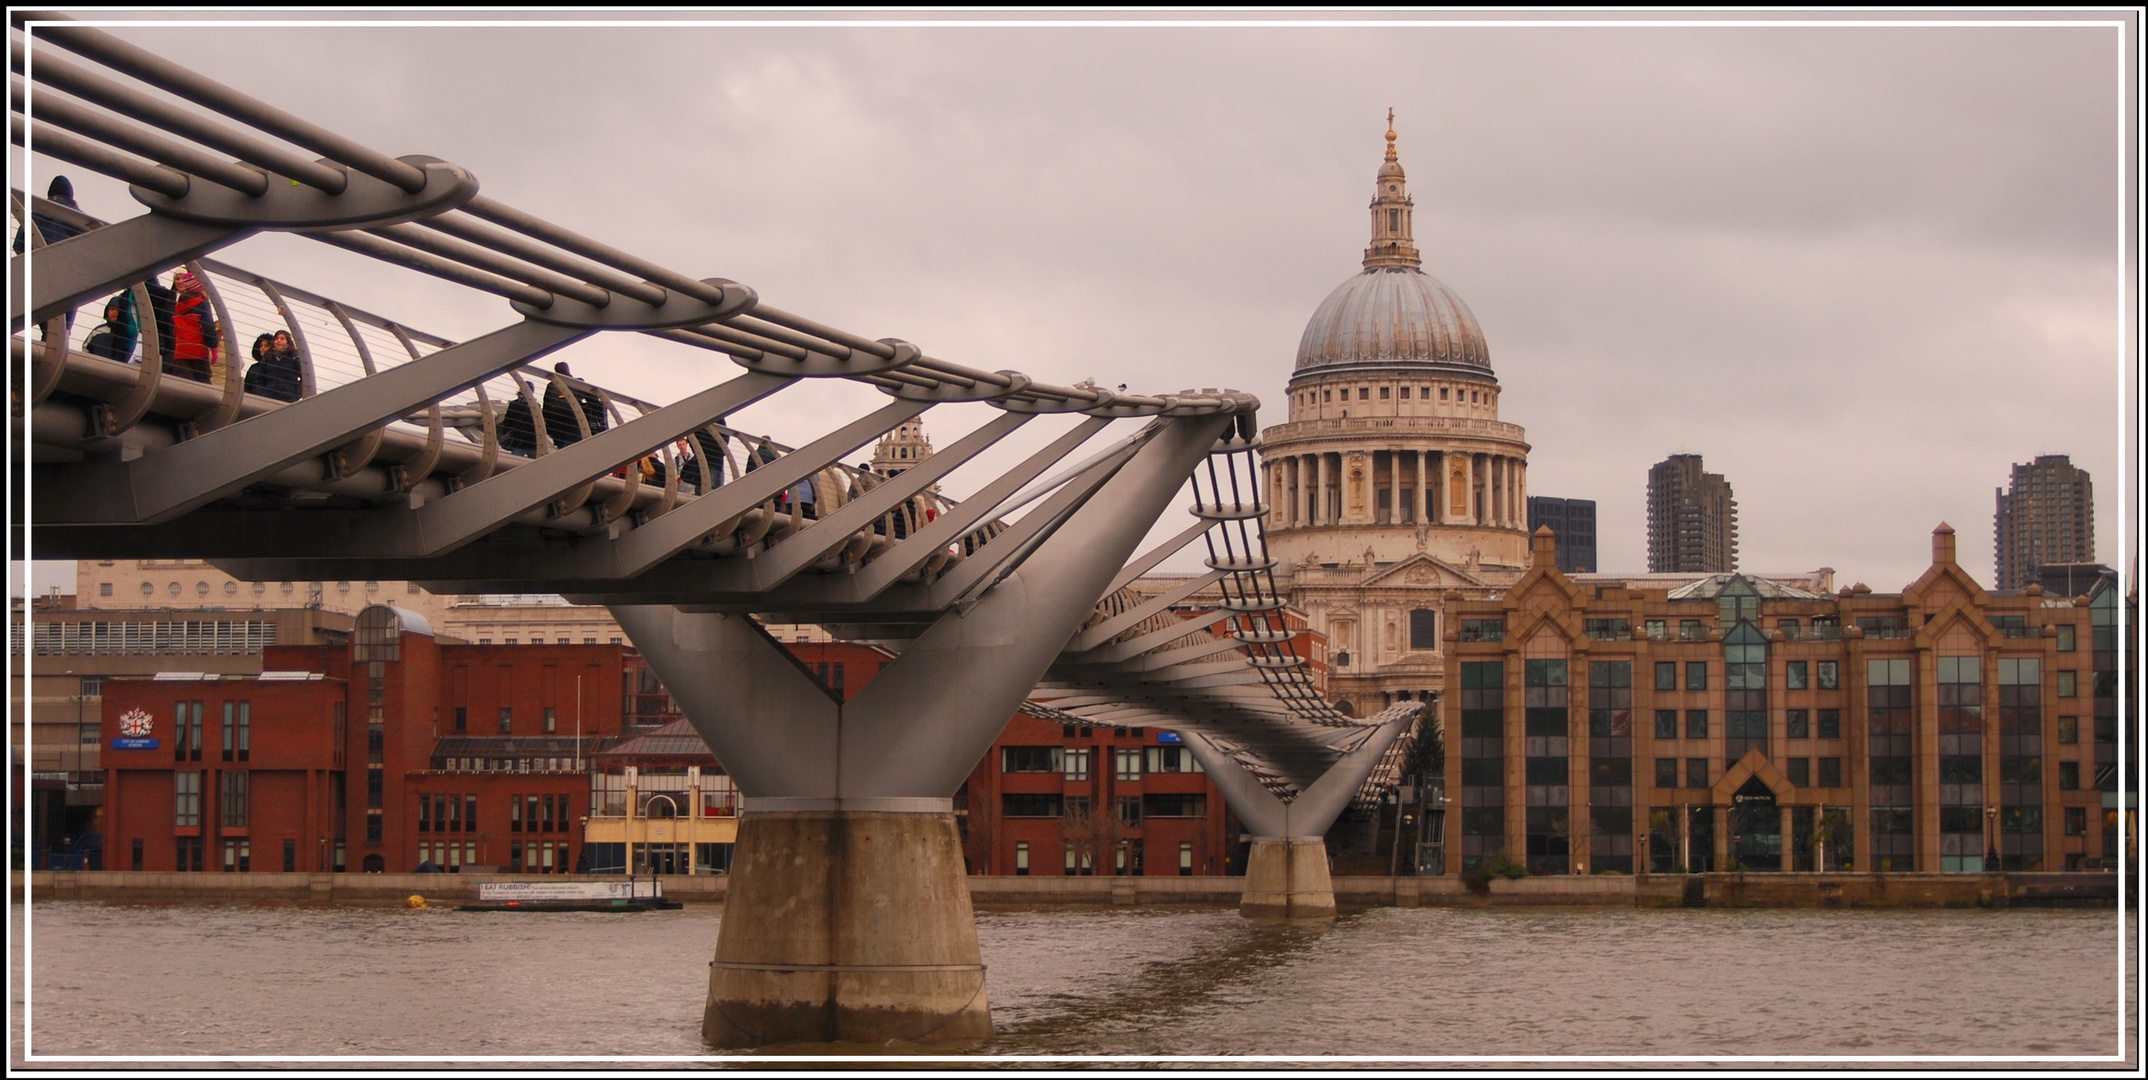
{"points": [[628, 894]]}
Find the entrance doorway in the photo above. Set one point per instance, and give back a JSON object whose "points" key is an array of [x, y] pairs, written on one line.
{"points": [[1756, 827]]}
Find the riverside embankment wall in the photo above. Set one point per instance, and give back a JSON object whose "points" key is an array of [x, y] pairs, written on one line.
{"points": [[1648, 890]]}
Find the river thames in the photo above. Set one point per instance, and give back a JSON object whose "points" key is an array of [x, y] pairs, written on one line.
{"points": [[209, 980]]}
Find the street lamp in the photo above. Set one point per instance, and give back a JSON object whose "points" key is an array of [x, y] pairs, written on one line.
{"points": [[1991, 839]]}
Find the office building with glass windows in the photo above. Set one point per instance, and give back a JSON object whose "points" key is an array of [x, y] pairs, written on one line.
{"points": [[1736, 722]]}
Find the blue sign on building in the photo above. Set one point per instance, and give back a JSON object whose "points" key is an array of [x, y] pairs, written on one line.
{"points": [[134, 744], [1167, 736]]}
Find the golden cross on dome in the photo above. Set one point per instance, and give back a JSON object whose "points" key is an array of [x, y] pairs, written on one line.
{"points": [[1390, 133]]}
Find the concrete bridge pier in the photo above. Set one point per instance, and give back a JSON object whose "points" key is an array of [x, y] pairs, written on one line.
{"points": [[847, 925], [848, 917], [1287, 878], [1287, 868]]}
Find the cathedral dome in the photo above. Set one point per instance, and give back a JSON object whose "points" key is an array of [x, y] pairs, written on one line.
{"points": [[1393, 312], [1391, 315]]}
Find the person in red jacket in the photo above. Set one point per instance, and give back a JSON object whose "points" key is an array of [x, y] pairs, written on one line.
{"points": [[194, 330]]}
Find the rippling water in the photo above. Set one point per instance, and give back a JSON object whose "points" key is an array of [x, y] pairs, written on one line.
{"points": [[212, 980]]}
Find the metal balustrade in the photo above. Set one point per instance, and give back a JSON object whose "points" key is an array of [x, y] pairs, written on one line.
{"points": [[403, 458]]}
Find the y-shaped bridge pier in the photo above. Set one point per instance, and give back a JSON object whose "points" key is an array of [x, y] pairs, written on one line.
{"points": [[395, 454]]}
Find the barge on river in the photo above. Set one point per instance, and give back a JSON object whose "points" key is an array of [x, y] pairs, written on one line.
{"points": [[631, 894]]}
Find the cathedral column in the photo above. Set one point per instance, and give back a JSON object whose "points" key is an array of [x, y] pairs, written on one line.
{"points": [[1480, 488], [1436, 496], [1521, 485], [1320, 489], [1496, 474], [1297, 490], [1513, 507], [1421, 510]]}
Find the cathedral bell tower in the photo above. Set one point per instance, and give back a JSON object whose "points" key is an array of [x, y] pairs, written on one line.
{"points": [[1391, 207]]}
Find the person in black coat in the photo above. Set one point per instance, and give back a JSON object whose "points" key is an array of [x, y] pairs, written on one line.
{"points": [[517, 429], [275, 372], [559, 410]]}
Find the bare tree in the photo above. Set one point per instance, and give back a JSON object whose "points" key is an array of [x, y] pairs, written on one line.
{"points": [[1091, 833]]}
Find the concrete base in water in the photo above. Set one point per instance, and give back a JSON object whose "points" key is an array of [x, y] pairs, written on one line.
{"points": [[845, 926], [1288, 879]]}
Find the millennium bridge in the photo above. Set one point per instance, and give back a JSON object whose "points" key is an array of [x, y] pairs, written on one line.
{"points": [[399, 454]]}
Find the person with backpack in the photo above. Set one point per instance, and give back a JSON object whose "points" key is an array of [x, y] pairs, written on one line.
{"points": [[194, 330], [114, 338]]}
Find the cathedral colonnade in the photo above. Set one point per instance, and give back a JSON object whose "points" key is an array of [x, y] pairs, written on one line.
{"points": [[1397, 487]]}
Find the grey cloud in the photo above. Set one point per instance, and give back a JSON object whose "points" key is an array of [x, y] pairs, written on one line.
{"points": [[1861, 270]]}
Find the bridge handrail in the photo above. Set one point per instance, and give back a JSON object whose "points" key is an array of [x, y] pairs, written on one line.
{"points": [[475, 240]]}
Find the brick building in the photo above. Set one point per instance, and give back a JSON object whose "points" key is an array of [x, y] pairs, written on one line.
{"points": [[1596, 728], [379, 755], [1053, 797]]}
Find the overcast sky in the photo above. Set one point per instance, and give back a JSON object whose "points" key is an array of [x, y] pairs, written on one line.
{"points": [[1862, 270]]}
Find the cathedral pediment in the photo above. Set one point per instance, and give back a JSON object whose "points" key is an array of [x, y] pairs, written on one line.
{"points": [[1421, 571]]}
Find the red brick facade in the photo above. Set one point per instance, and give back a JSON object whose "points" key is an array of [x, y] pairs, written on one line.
{"points": [[1033, 814], [461, 728]]}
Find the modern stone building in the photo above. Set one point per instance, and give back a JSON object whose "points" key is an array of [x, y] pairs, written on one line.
{"points": [[1597, 728], [1394, 485], [1692, 519], [2046, 515], [1573, 523]]}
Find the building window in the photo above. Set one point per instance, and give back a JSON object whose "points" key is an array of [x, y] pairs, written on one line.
{"points": [[1655, 630], [462, 719], [1666, 772], [1077, 763], [1014, 804], [1174, 806], [1696, 723], [238, 856], [2068, 684], [1185, 858], [1383, 393], [507, 719], [1608, 629], [1697, 772], [1018, 759], [1797, 724], [189, 852], [2076, 823], [2069, 776], [186, 800], [233, 799], [1021, 858], [1364, 393], [1795, 675], [1799, 771], [238, 730], [1830, 723], [1830, 772], [2065, 637], [1667, 725], [1126, 763], [186, 732], [1830, 672], [1696, 674], [1424, 628], [2069, 730], [104, 588], [1666, 674], [551, 719], [1171, 759]]}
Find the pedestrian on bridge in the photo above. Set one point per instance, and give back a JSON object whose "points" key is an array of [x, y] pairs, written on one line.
{"points": [[194, 330]]}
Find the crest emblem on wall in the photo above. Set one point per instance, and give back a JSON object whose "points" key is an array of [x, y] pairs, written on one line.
{"points": [[135, 723]]}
